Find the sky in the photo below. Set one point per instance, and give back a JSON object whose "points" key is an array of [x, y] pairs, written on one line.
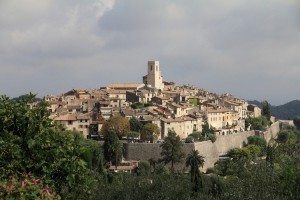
{"points": [[250, 49]]}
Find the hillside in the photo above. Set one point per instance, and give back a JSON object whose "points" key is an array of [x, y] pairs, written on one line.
{"points": [[286, 111]]}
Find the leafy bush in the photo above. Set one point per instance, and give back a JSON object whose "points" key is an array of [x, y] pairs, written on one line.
{"points": [[195, 135], [212, 137], [137, 105], [258, 141], [259, 123], [210, 171], [133, 134], [26, 187], [286, 135], [189, 139], [144, 168]]}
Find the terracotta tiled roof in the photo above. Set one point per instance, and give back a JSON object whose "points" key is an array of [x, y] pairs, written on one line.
{"points": [[67, 117], [83, 116], [71, 117], [125, 85], [112, 91], [219, 110]]}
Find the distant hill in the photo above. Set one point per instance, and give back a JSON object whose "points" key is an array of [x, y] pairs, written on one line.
{"points": [[25, 96], [286, 111]]}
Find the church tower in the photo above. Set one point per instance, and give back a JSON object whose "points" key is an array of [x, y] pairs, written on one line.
{"points": [[154, 77]]}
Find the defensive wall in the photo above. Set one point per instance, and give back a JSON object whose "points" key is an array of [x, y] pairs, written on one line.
{"points": [[210, 151]]}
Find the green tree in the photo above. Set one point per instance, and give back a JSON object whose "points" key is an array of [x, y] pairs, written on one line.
{"points": [[112, 148], [239, 154], [287, 136], [144, 168], [253, 150], [196, 136], [135, 125], [247, 122], [206, 130], [212, 137], [150, 132], [258, 141], [119, 125], [266, 109], [194, 160], [31, 142], [259, 123], [296, 121], [172, 151], [133, 134], [271, 152]]}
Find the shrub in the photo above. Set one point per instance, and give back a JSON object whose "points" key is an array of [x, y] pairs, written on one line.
{"points": [[196, 135], [210, 171], [212, 137], [26, 187], [144, 168], [189, 139]]}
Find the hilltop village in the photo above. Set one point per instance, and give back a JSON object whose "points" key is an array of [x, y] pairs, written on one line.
{"points": [[183, 109]]}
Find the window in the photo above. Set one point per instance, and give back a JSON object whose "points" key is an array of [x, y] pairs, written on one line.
{"points": [[70, 122], [151, 67]]}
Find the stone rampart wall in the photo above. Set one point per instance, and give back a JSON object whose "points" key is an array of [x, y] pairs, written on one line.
{"points": [[272, 131], [211, 151]]}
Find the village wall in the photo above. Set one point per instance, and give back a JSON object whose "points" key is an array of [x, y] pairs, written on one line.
{"points": [[272, 131], [210, 151]]}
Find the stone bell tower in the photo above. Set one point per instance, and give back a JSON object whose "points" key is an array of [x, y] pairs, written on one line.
{"points": [[154, 77]]}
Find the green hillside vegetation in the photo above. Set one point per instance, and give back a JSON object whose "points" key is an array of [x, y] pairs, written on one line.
{"points": [[287, 111]]}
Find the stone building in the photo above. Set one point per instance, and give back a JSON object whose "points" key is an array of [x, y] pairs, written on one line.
{"points": [[154, 77]]}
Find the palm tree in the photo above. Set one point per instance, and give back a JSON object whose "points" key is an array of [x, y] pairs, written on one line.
{"points": [[195, 160]]}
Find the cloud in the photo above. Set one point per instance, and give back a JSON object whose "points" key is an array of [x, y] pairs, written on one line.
{"points": [[248, 48]]}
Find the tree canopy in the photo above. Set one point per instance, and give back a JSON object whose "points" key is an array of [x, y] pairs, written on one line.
{"points": [[266, 109], [119, 125], [194, 160], [30, 143], [296, 121], [135, 125], [172, 149], [150, 132], [112, 148]]}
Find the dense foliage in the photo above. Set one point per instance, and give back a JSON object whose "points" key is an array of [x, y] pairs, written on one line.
{"points": [[194, 161], [30, 143], [266, 110], [150, 132], [112, 148], [258, 123], [119, 125], [172, 151], [252, 177], [135, 125], [297, 122]]}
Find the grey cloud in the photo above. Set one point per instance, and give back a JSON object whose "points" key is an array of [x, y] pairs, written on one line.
{"points": [[247, 48]]}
